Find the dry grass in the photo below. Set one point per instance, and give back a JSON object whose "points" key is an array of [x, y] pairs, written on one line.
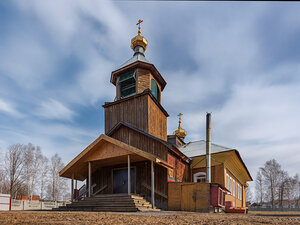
{"points": [[274, 213], [26, 217]]}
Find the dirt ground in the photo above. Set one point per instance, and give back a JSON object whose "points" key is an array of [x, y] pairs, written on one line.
{"points": [[31, 217]]}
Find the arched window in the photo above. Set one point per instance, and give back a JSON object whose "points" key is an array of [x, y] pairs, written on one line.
{"points": [[154, 89], [200, 177]]}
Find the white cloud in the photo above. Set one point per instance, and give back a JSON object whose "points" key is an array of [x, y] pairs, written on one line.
{"points": [[9, 109], [53, 109]]}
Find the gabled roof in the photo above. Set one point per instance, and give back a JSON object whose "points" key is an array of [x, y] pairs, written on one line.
{"points": [[197, 148], [145, 92], [168, 145], [78, 164]]}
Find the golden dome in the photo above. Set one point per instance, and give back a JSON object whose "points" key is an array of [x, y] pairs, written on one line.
{"points": [[181, 133], [139, 39]]}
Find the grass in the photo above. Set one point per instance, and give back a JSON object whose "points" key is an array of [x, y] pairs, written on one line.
{"points": [[274, 212]]}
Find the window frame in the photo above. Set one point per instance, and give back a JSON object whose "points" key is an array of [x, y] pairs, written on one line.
{"points": [[128, 86], [153, 81]]}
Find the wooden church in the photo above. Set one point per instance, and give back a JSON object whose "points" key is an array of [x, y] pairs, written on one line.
{"points": [[134, 164]]}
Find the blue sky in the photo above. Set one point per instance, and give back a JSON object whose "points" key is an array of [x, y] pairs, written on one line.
{"points": [[238, 60]]}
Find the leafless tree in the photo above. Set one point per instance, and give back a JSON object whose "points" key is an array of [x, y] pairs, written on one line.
{"points": [[249, 195], [283, 186], [259, 186], [270, 173], [36, 166], [13, 167], [44, 171], [32, 163], [58, 184]]}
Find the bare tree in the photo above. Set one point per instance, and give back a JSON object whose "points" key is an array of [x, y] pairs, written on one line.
{"points": [[3, 182], [297, 191], [32, 164], [28, 160], [270, 173], [283, 185], [35, 170], [13, 167], [259, 186], [249, 195], [44, 169], [58, 184]]}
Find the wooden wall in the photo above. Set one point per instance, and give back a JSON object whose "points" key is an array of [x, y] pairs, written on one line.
{"points": [[141, 112], [229, 197], [143, 80], [133, 111], [217, 173], [181, 171], [157, 121], [104, 177], [193, 197], [141, 141]]}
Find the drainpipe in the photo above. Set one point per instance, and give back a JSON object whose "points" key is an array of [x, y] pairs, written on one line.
{"points": [[208, 147]]}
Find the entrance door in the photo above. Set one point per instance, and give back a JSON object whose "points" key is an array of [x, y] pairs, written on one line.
{"points": [[120, 180]]}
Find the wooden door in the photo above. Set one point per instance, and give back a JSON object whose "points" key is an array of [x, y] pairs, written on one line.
{"points": [[188, 197], [120, 180]]}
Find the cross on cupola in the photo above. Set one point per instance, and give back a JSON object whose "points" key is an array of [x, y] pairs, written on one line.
{"points": [[139, 23], [181, 133]]}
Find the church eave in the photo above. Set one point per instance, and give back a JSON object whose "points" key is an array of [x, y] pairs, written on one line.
{"points": [[139, 64], [146, 92]]}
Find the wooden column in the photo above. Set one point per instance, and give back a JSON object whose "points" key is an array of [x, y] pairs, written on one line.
{"points": [[72, 188], [129, 178], [152, 184], [90, 179]]}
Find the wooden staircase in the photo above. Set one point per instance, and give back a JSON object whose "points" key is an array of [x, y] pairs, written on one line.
{"points": [[110, 203]]}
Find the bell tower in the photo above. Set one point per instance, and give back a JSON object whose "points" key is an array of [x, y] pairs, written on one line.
{"points": [[138, 93]]}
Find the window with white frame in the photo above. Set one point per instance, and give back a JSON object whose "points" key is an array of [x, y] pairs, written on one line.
{"points": [[233, 190], [231, 185], [241, 193], [227, 181]]}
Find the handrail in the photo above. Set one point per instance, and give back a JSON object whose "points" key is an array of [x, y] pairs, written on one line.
{"points": [[157, 192], [85, 192], [101, 189], [80, 196]]}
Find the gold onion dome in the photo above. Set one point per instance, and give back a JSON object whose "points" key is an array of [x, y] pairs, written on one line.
{"points": [[181, 133], [139, 40]]}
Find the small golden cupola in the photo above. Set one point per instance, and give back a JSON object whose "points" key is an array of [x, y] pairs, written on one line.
{"points": [[139, 43], [181, 133]]}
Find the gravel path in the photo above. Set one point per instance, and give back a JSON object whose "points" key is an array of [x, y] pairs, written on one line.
{"points": [[31, 217]]}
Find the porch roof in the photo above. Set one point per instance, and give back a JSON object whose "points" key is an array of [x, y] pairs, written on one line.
{"points": [[105, 151]]}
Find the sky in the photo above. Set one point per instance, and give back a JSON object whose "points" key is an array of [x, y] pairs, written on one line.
{"points": [[238, 60]]}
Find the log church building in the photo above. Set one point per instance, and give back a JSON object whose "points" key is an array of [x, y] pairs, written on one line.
{"points": [[136, 165]]}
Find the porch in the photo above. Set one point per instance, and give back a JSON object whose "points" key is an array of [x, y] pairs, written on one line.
{"points": [[109, 166]]}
